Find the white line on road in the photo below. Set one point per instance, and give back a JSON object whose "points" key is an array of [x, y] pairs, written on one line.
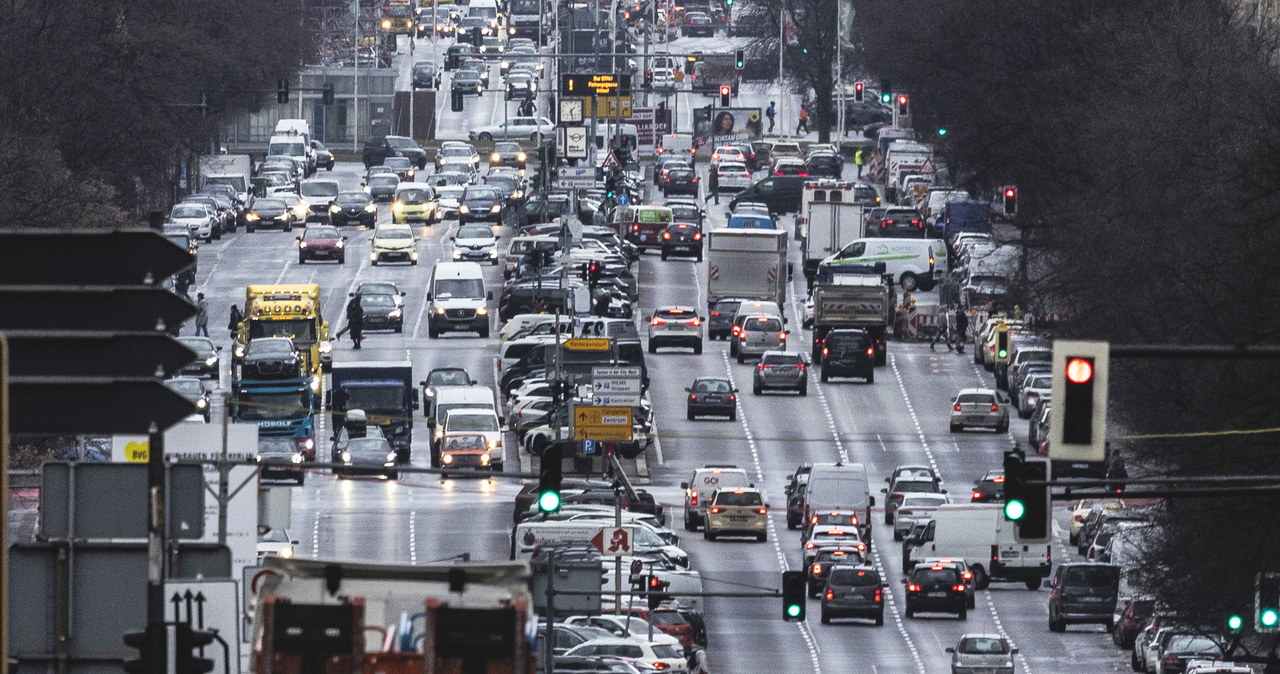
{"points": [[315, 535], [413, 537]]}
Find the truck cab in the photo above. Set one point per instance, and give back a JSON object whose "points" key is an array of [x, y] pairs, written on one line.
{"points": [[385, 391]]}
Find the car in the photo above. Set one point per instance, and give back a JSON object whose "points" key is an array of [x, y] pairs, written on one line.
{"points": [[371, 454], [914, 508], [275, 543], [510, 185], [353, 208], [378, 148], [194, 391], [731, 176], [982, 654], [297, 206], [935, 588], [720, 318], [1082, 593], [382, 312], [686, 210], [1036, 387], [704, 482], [1038, 429], [680, 180], [790, 166], [475, 243], [467, 82], [533, 128], [1027, 375], [521, 85], [199, 219], [759, 333], [382, 187], [324, 158], [281, 461], [781, 370], [698, 24], [447, 200], [989, 488], [456, 52], [507, 154], [737, 511], [662, 80], [750, 208], [666, 163], [393, 243], [492, 44], [480, 203], [728, 153], [653, 655], [468, 450], [711, 395], [846, 352], [268, 358], [456, 149], [322, 242], [1182, 648], [415, 202], [442, 376], [207, 359], [853, 592], [1134, 614], [318, 193], [827, 559], [223, 206], [826, 164], [425, 75], [682, 238], [269, 212], [679, 326], [402, 167], [479, 65], [903, 485], [980, 407]]}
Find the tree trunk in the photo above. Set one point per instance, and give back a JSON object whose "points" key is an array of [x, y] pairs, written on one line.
{"points": [[824, 112]]}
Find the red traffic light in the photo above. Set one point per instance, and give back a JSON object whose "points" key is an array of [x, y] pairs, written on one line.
{"points": [[857, 86], [724, 90], [902, 99], [1010, 193], [1079, 370]]}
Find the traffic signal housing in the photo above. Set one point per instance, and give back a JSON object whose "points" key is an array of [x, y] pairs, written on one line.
{"points": [[1015, 491], [725, 91], [1078, 416], [794, 588], [188, 641], [1267, 602], [1010, 196], [886, 92], [282, 90], [143, 641], [1002, 344], [1034, 525], [858, 91], [656, 591], [740, 59], [549, 479], [904, 108]]}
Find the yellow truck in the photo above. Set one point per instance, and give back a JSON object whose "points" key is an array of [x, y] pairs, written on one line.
{"points": [[288, 310]]}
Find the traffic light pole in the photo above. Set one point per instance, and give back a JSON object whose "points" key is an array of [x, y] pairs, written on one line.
{"points": [[156, 550]]}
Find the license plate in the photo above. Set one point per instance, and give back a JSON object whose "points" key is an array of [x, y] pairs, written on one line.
{"points": [[936, 594], [1010, 555], [1094, 599], [975, 419], [737, 518]]}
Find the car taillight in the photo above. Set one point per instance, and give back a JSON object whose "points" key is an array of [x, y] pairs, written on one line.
{"points": [[830, 595], [871, 350], [657, 321], [742, 337], [715, 511], [957, 407], [800, 367], [715, 313], [777, 173], [635, 228], [782, 336], [666, 235], [693, 498], [697, 236], [732, 398], [879, 596], [693, 396], [816, 569], [810, 545], [912, 587], [695, 180], [695, 322], [977, 494], [803, 174], [762, 511], [995, 408], [746, 175], [958, 588], [660, 665], [967, 575], [762, 366], [825, 351], [862, 547], [667, 179]]}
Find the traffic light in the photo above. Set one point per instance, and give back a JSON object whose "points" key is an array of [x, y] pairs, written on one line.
{"points": [[282, 90], [1002, 343], [1034, 525], [595, 274], [794, 588], [740, 59], [1010, 201], [549, 477], [143, 641], [858, 92], [1267, 602], [1235, 623], [328, 94], [725, 90], [1015, 490], [886, 92], [942, 131], [903, 109], [1078, 417], [187, 642], [657, 591]]}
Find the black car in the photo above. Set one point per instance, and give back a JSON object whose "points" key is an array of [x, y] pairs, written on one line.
{"points": [[370, 455], [479, 65], [712, 395], [353, 208], [271, 358], [865, 113], [378, 148], [268, 212], [686, 211], [824, 562], [382, 187], [280, 461], [206, 362], [455, 53], [442, 376], [425, 75], [680, 180], [532, 298], [854, 592], [480, 202], [382, 312], [682, 238], [467, 82], [194, 391], [402, 167], [666, 163], [720, 318], [989, 489], [825, 164], [936, 589], [1082, 593], [846, 353], [509, 186], [699, 24], [324, 158], [507, 154]]}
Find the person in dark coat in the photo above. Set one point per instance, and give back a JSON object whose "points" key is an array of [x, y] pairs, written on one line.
{"points": [[962, 326], [355, 321], [234, 323]]}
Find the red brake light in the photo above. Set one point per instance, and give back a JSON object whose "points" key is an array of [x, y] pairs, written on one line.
{"points": [[801, 366], [817, 569], [995, 408], [693, 396], [830, 594], [732, 397], [762, 511], [657, 321], [666, 235], [714, 313], [977, 494], [912, 587], [813, 520], [957, 407], [879, 595], [967, 575], [635, 228], [782, 335], [715, 511], [697, 236], [871, 350], [958, 588], [825, 351]]}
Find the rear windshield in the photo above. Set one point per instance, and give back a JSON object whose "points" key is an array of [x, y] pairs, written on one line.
{"points": [[667, 618], [727, 307], [976, 398], [979, 645], [763, 325], [666, 652], [1093, 576], [747, 498], [782, 359], [919, 485], [855, 577], [935, 576]]}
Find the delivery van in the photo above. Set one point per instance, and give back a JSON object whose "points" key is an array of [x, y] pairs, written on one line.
{"points": [[914, 263], [840, 486], [979, 533]]}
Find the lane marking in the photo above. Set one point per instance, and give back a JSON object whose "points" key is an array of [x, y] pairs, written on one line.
{"points": [[315, 535], [413, 537]]}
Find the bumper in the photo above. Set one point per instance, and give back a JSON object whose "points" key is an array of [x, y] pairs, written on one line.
{"points": [[691, 248], [852, 608], [475, 255], [1100, 613], [313, 253], [362, 218], [485, 215], [958, 669], [952, 603], [675, 340], [413, 214], [772, 381], [976, 421], [445, 324], [394, 256], [274, 223], [725, 409], [752, 526], [1008, 572]]}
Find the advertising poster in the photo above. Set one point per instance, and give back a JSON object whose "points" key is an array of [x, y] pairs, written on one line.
{"points": [[726, 125]]}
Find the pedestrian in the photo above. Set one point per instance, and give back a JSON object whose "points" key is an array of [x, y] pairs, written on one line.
{"points": [[771, 112], [804, 120], [355, 321], [962, 327], [182, 282], [859, 160], [1117, 474], [601, 307], [944, 329], [202, 315], [234, 324], [1017, 312], [698, 662]]}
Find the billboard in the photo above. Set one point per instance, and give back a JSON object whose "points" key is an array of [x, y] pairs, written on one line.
{"points": [[726, 125]]}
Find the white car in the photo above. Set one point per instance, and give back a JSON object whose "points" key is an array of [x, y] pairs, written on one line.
{"points": [[447, 200], [915, 507], [393, 243], [732, 176], [517, 128], [460, 165], [199, 219], [652, 654], [1037, 387], [675, 326], [275, 543], [475, 243], [663, 79]]}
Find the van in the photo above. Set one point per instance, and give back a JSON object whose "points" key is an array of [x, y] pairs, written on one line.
{"points": [[1082, 594], [295, 147], [747, 308], [627, 134], [914, 263], [673, 143], [641, 225], [318, 193], [979, 531], [299, 127], [513, 350], [780, 193], [457, 300], [840, 486], [449, 398], [758, 335]]}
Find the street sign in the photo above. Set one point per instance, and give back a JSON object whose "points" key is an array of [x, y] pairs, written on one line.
{"points": [[577, 177], [616, 372], [611, 161], [41, 405], [208, 605], [572, 141], [123, 308], [588, 446], [609, 106], [584, 344], [83, 354], [94, 501], [615, 386], [613, 541], [88, 257], [601, 423], [597, 84]]}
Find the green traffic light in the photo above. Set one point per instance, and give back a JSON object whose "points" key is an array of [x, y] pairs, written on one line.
{"points": [[885, 98], [1269, 617], [1004, 353], [549, 501], [793, 610], [942, 132], [1014, 510], [1234, 623]]}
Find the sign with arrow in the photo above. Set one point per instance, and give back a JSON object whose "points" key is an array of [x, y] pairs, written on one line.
{"points": [[615, 386], [613, 541], [208, 606], [601, 423]]}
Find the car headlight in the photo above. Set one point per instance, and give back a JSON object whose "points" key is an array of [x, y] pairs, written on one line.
{"points": [[325, 347], [462, 208], [341, 243], [493, 253], [447, 458], [493, 444], [495, 157], [391, 457], [285, 552], [386, 24], [397, 206], [334, 208], [496, 208], [520, 157], [251, 217], [475, 160], [457, 254], [296, 458], [482, 310], [484, 459], [309, 445], [370, 208], [202, 403], [239, 351], [518, 193], [394, 313], [346, 456], [211, 360], [439, 311], [302, 244], [366, 189], [410, 173]]}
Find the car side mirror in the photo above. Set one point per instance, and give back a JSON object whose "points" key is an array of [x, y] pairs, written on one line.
{"points": [[217, 348], [688, 389], [904, 581], [943, 491], [684, 485], [951, 649], [884, 491], [489, 295], [297, 238]]}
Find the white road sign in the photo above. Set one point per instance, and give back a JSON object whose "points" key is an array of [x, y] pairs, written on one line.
{"points": [[572, 141], [208, 605], [577, 177], [615, 386]]}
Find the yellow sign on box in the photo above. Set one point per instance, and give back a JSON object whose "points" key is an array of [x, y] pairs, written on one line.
{"points": [[583, 344], [602, 433], [601, 415]]}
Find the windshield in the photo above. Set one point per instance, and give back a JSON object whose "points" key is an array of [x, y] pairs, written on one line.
{"points": [[321, 189], [983, 645], [351, 198], [400, 143], [395, 233], [914, 486], [738, 499], [287, 149], [269, 205], [273, 406], [375, 398], [977, 399], [1092, 575], [397, 11], [446, 288], [476, 232], [188, 212], [449, 378], [456, 150], [854, 577], [269, 346], [481, 193], [526, 6], [320, 233], [370, 447], [182, 240], [384, 180], [473, 422], [301, 330], [377, 301], [416, 196], [198, 344]]}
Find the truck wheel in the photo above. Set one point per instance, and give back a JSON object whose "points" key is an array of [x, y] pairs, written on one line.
{"points": [[1033, 583], [824, 377], [697, 349], [909, 281], [981, 580], [871, 377]]}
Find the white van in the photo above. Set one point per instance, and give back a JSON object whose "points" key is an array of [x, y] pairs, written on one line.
{"points": [[527, 536], [840, 486], [449, 398], [522, 323], [915, 263], [295, 146], [675, 143], [457, 299], [318, 193], [978, 532]]}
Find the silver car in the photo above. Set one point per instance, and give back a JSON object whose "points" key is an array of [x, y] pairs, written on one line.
{"points": [[675, 326], [980, 408], [760, 333], [781, 369], [986, 653], [1035, 387], [915, 507]]}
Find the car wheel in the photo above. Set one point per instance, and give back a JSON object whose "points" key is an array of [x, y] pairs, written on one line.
{"points": [[399, 328], [706, 533], [755, 388], [664, 256], [1033, 583], [911, 613], [826, 619], [804, 389], [963, 614], [897, 535], [871, 377], [880, 619], [432, 332], [689, 525], [484, 332], [741, 358], [653, 348], [733, 416], [971, 602], [888, 518], [1003, 428], [824, 377], [485, 137], [533, 136], [909, 281], [302, 260], [697, 349], [690, 415], [342, 260], [981, 580], [760, 538]]}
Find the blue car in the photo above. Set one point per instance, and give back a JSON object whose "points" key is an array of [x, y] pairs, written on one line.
{"points": [[751, 222]]}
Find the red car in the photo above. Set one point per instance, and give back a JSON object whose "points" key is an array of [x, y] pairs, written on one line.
{"points": [[322, 243], [668, 621]]}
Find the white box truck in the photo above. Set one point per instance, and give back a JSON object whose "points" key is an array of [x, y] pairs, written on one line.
{"points": [[748, 263], [828, 220], [227, 169], [980, 534]]}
